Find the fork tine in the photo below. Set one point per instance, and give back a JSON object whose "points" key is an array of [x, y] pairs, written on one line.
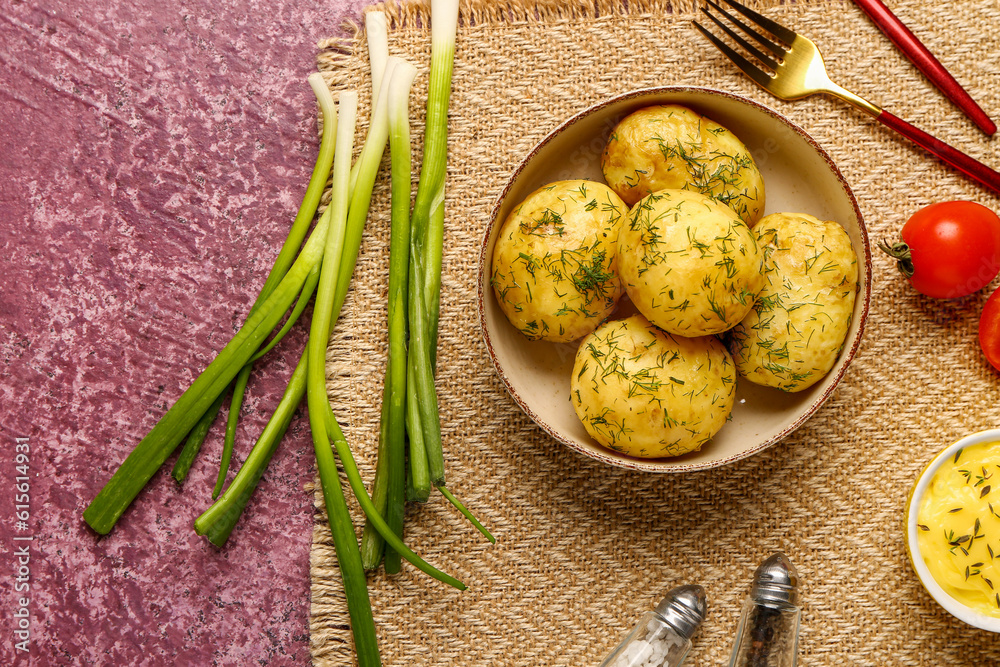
{"points": [[758, 75], [753, 50], [776, 29], [777, 49]]}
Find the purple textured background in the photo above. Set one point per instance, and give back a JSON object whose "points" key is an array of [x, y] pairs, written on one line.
{"points": [[152, 155]]}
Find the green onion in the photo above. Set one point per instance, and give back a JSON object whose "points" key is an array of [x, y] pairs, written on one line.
{"points": [[232, 419], [304, 217], [427, 249], [218, 521], [377, 36], [361, 192], [154, 449], [388, 487], [409, 397], [307, 211], [194, 441], [341, 528], [427, 237], [378, 56]]}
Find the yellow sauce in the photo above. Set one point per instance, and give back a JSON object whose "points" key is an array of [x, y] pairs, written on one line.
{"points": [[959, 527]]}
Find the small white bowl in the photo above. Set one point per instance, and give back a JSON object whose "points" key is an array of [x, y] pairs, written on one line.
{"points": [[950, 604], [799, 176]]}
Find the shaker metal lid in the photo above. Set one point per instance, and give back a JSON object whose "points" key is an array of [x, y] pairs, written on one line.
{"points": [[684, 608], [776, 582]]}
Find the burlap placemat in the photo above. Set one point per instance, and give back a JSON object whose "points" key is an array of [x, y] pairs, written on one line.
{"points": [[584, 549]]}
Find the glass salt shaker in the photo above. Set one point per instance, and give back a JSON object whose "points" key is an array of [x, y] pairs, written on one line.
{"points": [[768, 632], [662, 637]]}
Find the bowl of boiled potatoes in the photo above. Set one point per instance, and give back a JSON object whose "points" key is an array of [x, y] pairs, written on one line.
{"points": [[674, 279]]}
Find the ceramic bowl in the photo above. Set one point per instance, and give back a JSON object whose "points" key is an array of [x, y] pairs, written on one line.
{"points": [[799, 176], [916, 496]]}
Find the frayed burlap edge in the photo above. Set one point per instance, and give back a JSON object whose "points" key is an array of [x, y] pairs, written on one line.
{"points": [[416, 15]]}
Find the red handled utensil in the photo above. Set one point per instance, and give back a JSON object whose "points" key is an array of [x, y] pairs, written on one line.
{"points": [[793, 68], [910, 46]]}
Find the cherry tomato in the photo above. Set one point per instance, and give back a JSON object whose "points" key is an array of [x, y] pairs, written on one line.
{"points": [[989, 329], [949, 249]]}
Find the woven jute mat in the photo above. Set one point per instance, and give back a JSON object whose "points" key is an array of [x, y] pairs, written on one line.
{"points": [[584, 549]]}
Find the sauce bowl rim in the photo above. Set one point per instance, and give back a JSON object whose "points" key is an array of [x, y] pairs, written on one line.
{"points": [[951, 605]]}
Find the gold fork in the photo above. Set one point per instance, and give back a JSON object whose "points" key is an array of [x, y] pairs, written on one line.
{"points": [[793, 68]]}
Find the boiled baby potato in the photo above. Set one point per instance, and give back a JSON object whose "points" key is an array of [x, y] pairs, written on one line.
{"points": [[689, 264], [670, 146], [645, 393], [797, 327], [555, 271]]}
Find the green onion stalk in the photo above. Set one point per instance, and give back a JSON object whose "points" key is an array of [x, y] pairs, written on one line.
{"points": [[195, 439], [153, 450], [323, 424], [345, 544], [426, 251], [427, 245], [322, 266], [377, 36], [218, 521], [388, 486], [299, 228]]}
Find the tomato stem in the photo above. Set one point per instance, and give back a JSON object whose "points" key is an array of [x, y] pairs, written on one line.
{"points": [[901, 253]]}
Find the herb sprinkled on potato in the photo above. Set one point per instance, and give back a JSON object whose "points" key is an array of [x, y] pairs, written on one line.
{"points": [[645, 393], [689, 263], [670, 146], [554, 267]]}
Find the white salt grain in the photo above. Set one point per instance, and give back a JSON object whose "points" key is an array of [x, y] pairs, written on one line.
{"points": [[653, 651]]}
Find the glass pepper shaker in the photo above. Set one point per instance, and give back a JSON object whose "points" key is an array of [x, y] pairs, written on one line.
{"points": [[768, 632], [662, 637]]}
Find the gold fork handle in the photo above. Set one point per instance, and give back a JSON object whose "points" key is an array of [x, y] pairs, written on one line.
{"points": [[828, 86], [969, 166]]}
